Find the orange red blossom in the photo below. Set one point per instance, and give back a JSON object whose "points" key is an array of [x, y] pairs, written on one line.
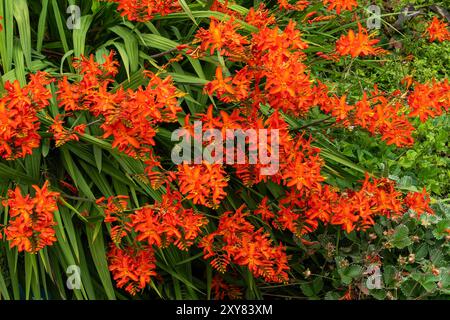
{"points": [[271, 71], [438, 30], [358, 44], [31, 223]]}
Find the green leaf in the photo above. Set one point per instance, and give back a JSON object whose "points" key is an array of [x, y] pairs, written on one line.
{"points": [[441, 229], [21, 14], [408, 287], [188, 11], [400, 237], [389, 275], [61, 27], [131, 46], [437, 257], [98, 158], [79, 35], [7, 35], [317, 285], [378, 294], [332, 296], [97, 249], [41, 26], [307, 289], [428, 281]]}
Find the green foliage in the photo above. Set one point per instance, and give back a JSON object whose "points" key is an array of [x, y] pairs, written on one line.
{"points": [[35, 37], [412, 255]]}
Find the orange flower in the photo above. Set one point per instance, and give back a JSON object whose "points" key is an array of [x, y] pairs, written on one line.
{"points": [[277, 58], [68, 96], [419, 202], [438, 30], [110, 66], [348, 294], [298, 5], [114, 208], [429, 100], [230, 89], [302, 165], [30, 227], [340, 109], [321, 204], [264, 210], [237, 241], [378, 113], [203, 183], [19, 123], [357, 210], [63, 135], [301, 212], [223, 37], [340, 5], [304, 173], [144, 10], [129, 117], [222, 6], [167, 222], [220, 85], [344, 217], [222, 290], [260, 17], [132, 267], [359, 44], [320, 19], [274, 73]]}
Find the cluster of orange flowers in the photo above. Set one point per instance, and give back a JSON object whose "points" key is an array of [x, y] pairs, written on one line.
{"points": [[237, 241], [309, 17], [429, 100], [438, 30], [340, 5], [222, 290], [63, 135], [260, 17], [115, 209], [358, 44], [389, 115], [161, 224], [270, 71], [132, 267], [298, 5], [144, 10], [168, 222], [298, 163], [302, 165], [419, 202], [357, 209], [222, 6], [350, 209], [273, 74], [130, 117], [19, 123], [31, 223], [203, 184]]}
